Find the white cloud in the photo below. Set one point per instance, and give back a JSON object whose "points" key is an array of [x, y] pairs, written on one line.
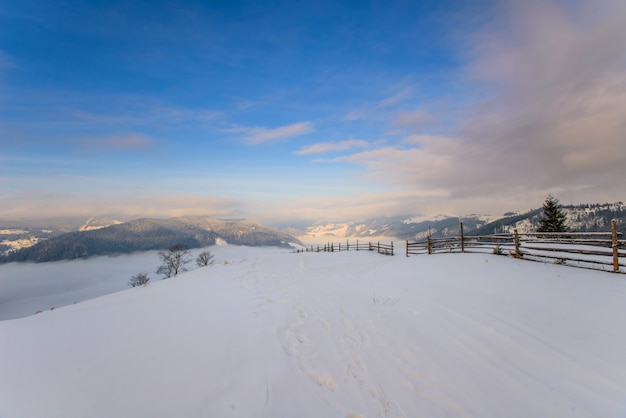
{"points": [[354, 115], [332, 146], [259, 135]]}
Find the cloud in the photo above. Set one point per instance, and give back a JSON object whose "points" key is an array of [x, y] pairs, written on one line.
{"points": [[258, 135], [332, 146], [557, 105], [123, 204], [551, 116], [397, 98], [174, 114], [354, 207], [354, 115]]}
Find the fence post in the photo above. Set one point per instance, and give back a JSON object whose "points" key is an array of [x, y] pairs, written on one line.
{"points": [[516, 238], [369, 246], [407, 247], [378, 247], [462, 239], [391, 247], [429, 247], [347, 245], [614, 244], [357, 245]]}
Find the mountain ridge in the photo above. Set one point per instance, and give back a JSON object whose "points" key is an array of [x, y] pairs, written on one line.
{"points": [[586, 217], [106, 235], [146, 234]]}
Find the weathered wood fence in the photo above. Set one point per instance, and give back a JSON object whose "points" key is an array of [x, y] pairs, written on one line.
{"points": [[380, 248], [596, 250]]}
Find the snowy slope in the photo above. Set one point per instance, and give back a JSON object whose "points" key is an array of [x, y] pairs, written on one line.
{"points": [[267, 333]]}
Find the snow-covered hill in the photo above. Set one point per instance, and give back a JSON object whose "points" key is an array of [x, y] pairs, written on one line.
{"points": [[268, 333]]}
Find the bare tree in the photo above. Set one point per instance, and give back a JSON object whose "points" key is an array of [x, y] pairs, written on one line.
{"points": [[139, 280], [205, 258], [174, 260]]}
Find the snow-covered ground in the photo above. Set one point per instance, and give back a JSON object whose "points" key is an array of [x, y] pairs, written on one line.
{"points": [[268, 333]]}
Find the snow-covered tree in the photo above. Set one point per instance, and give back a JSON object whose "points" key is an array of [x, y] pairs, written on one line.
{"points": [[554, 218]]}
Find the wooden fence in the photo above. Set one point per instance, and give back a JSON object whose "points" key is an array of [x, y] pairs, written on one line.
{"points": [[386, 249], [596, 250]]}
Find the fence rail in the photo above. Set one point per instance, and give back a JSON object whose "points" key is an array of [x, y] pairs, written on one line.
{"points": [[595, 250], [380, 248]]}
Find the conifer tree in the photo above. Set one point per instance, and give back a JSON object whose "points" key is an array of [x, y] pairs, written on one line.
{"points": [[554, 218]]}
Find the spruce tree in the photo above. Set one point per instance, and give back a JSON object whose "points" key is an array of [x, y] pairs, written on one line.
{"points": [[554, 218]]}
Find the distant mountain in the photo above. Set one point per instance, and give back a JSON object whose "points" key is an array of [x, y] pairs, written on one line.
{"points": [[150, 234], [21, 233], [594, 217], [581, 218], [56, 224], [48, 240], [400, 227]]}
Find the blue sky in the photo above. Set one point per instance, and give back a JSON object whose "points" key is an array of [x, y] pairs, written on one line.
{"points": [[319, 111]]}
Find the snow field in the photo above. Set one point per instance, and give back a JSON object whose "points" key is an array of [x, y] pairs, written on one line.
{"points": [[266, 333]]}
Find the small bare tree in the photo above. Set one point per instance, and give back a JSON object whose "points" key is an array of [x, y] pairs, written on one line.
{"points": [[174, 260], [205, 258], [139, 280]]}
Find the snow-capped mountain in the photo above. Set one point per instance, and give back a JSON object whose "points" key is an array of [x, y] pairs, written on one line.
{"points": [[589, 217], [401, 227], [580, 218]]}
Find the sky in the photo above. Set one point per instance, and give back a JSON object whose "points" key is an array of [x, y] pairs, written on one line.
{"points": [[312, 111]]}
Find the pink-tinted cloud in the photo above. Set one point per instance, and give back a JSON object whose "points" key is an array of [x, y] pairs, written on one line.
{"points": [[29, 203], [416, 119], [552, 115]]}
